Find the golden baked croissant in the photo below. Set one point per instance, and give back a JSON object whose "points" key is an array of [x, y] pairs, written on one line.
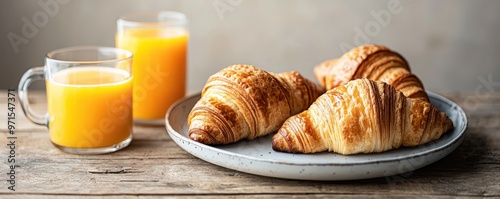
{"points": [[244, 102], [362, 116], [374, 62]]}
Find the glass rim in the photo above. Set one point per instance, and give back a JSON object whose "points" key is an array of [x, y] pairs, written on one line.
{"points": [[137, 19], [119, 51]]}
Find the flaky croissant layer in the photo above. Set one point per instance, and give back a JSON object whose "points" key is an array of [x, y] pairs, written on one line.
{"points": [[362, 116], [245, 102], [375, 62]]}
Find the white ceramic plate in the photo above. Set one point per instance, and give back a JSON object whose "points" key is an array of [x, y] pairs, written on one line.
{"points": [[257, 156]]}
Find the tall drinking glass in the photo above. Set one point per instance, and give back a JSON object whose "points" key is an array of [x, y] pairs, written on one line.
{"points": [[158, 41]]}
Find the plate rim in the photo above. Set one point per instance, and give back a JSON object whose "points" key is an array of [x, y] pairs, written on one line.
{"points": [[461, 132]]}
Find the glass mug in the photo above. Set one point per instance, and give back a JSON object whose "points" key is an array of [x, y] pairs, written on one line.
{"points": [[158, 41], [89, 98]]}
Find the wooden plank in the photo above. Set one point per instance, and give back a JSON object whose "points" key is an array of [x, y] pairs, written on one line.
{"points": [[153, 165], [161, 167], [243, 196]]}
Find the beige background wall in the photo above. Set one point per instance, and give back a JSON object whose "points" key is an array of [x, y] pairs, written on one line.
{"points": [[452, 45]]}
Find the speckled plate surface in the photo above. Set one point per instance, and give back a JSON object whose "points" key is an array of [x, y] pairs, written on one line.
{"points": [[257, 156]]}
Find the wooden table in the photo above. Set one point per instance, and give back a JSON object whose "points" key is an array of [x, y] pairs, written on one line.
{"points": [[153, 165]]}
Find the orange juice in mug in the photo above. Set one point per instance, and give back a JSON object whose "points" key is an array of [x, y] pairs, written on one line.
{"points": [[72, 93], [89, 98], [159, 44]]}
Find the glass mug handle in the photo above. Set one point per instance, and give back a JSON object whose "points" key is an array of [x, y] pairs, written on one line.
{"points": [[29, 77]]}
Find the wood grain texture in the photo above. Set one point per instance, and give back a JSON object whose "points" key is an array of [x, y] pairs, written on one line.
{"points": [[153, 165]]}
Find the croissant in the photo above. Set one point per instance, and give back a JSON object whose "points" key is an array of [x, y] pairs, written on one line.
{"points": [[244, 102], [374, 62], [362, 116]]}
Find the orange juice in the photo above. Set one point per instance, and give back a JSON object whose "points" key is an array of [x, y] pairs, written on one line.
{"points": [[159, 68], [89, 107]]}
